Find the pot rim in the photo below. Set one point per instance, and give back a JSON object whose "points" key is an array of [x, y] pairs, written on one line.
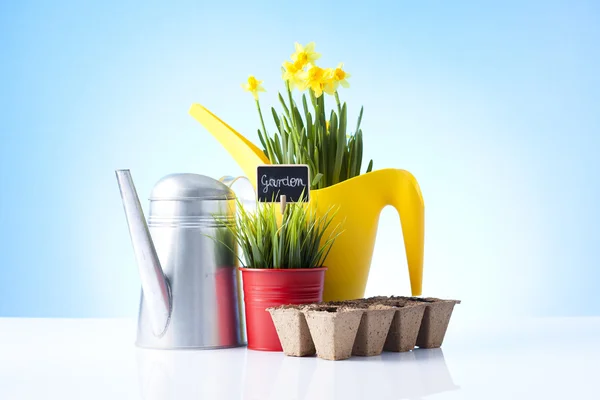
{"points": [[280, 270]]}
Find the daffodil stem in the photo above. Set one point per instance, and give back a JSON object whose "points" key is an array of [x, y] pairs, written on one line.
{"points": [[292, 117], [339, 106], [270, 154], [262, 121]]}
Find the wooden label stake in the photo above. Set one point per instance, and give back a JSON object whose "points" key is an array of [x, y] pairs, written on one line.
{"points": [[283, 203]]}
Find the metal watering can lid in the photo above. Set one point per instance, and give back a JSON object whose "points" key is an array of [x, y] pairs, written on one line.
{"points": [[190, 186]]}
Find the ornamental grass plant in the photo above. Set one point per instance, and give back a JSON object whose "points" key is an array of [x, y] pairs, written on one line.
{"points": [[312, 135], [271, 240]]}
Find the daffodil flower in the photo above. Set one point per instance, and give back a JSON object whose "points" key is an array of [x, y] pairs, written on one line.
{"points": [[305, 55], [335, 77], [314, 78], [329, 84], [292, 74], [253, 86]]}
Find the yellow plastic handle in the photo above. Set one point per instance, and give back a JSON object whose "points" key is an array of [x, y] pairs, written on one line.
{"points": [[360, 201], [405, 195]]}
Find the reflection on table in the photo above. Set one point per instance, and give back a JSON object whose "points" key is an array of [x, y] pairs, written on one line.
{"points": [[240, 373]]}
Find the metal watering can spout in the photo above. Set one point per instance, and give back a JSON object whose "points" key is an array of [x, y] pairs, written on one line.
{"points": [[154, 284]]}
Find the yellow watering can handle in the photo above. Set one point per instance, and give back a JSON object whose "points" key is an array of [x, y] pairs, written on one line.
{"points": [[405, 195]]}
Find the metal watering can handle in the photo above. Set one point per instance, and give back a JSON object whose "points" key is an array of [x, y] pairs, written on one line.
{"points": [[243, 189]]}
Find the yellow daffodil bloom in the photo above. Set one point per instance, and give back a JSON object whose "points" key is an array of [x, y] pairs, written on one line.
{"points": [[314, 78], [253, 86], [292, 74], [305, 55], [329, 84], [335, 77]]}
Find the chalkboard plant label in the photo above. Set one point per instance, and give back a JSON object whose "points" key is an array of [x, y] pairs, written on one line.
{"points": [[291, 181]]}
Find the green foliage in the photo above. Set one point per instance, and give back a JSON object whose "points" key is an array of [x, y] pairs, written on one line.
{"points": [[296, 239], [308, 137]]}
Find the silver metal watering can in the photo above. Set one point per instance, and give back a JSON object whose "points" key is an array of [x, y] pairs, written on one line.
{"points": [[190, 283]]}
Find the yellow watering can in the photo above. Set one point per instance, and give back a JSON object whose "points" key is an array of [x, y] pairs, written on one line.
{"points": [[360, 201]]}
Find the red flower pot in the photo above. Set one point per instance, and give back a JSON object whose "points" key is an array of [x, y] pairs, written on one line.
{"points": [[264, 288]]}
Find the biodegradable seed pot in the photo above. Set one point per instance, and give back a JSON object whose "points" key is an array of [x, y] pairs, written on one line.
{"points": [[435, 321], [405, 326], [373, 330], [292, 330], [333, 330]]}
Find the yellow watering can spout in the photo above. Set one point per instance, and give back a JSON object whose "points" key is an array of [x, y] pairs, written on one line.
{"points": [[359, 201], [244, 152]]}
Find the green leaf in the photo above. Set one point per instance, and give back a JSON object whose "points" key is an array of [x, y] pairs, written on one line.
{"points": [[313, 99], [316, 179], [262, 140], [343, 118], [355, 166], [322, 116], [276, 119], [292, 106], [359, 152], [332, 141], [297, 118], [269, 150], [277, 149], [359, 120], [317, 169], [303, 139], [324, 161], [304, 104], [285, 107], [344, 167], [341, 146], [290, 151]]}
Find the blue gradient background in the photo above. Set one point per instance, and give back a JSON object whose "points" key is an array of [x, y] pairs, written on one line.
{"points": [[493, 106]]}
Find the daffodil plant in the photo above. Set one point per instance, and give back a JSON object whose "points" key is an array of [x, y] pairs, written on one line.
{"points": [[309, 135]]}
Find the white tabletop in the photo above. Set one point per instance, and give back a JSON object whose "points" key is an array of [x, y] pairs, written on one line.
{"points": [[96, 359]]}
